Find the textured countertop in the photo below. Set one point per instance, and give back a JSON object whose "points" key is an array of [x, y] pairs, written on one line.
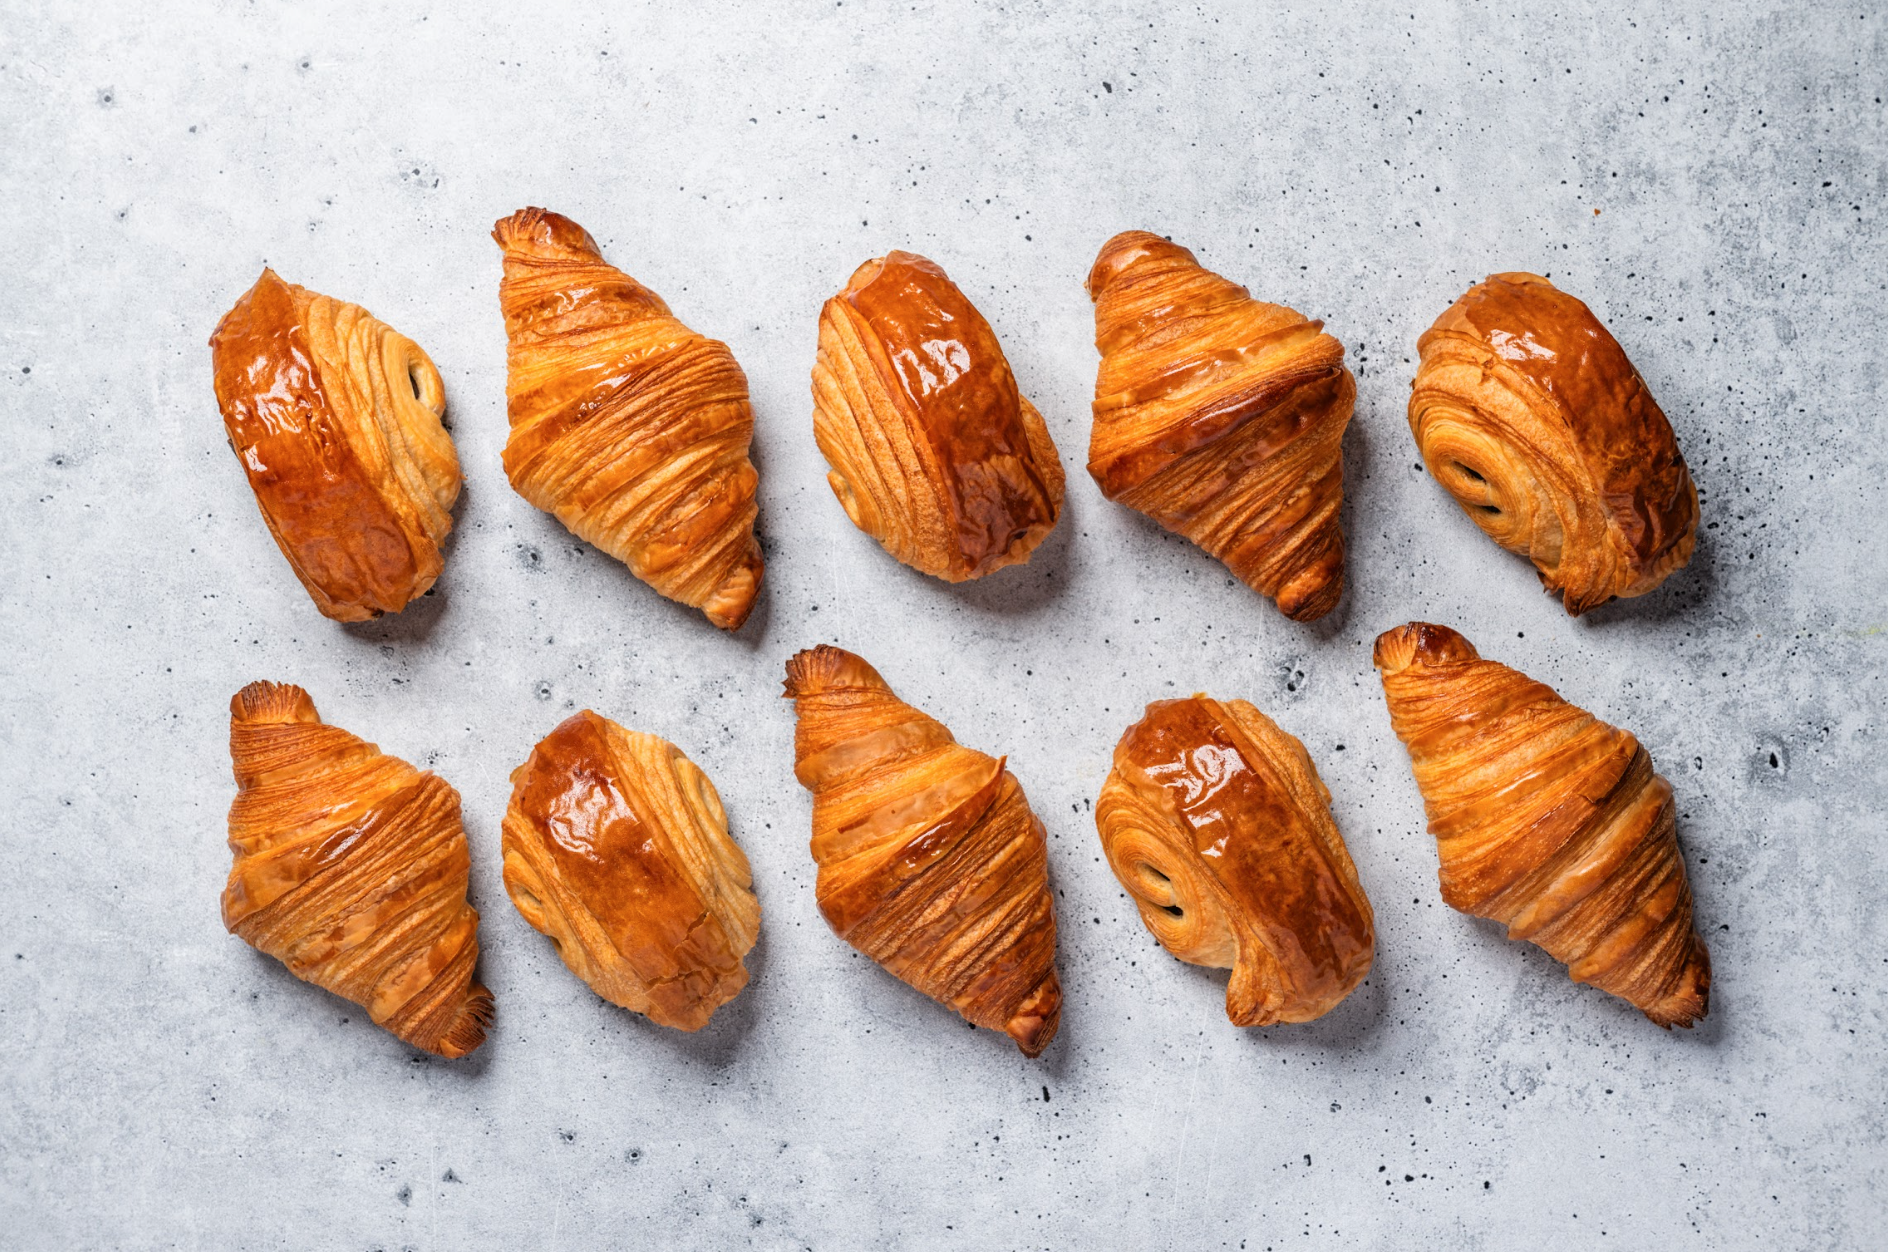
{"points": [[1713, 187]]}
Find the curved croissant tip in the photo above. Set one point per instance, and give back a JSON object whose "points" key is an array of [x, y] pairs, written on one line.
{"points": [[1423, 642], [468, 1029], [1036, 1019], [272, 702], [543, 232], [1122, 252], [825, 668]]}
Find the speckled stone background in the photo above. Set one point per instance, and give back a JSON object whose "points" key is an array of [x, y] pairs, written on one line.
{"points": [[1713, 186]]}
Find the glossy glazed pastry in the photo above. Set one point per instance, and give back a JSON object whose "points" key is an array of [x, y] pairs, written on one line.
{"points": [[930, 860], [1218, 825], [1222, 418], [350, 868], [626, 425], [1528, 413], [934, 451], [1547, 820], [335, 417], [617, 847]]}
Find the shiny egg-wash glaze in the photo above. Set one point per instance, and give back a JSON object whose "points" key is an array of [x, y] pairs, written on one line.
{"points": [[627, 426], [930, 859], [934, 451], [617, 848], [336, 420], [1216, 822], [1529, 413], [1222, 418], [350, 867], [1547, 820]]}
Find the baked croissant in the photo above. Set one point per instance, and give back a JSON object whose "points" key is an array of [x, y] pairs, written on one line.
{"points": [[1218, 825], [1547, 820], [1529, 414], [930, 861], [934, 451], [335, 417], [629, 427], [1222, 418], [350, 868], [617, 847]]}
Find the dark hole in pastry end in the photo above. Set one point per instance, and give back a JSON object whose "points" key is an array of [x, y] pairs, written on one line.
{"points": [[1172, 910], [1471, 473], [1488, 508], [413, 380]]}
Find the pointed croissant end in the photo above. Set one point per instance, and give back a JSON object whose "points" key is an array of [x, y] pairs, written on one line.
{"points": [[1125, 251], [1034, 1023], [825, 668], [272, 702], [1691, 1000], [728, 607], [1423, 642], [540, 232], [1313, 592], [468, 1029]]}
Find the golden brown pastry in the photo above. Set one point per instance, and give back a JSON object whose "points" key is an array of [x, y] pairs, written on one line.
{"points": [[1547, 820], [934, 451], [1529, 414], [930, 861], [1222, 418], [350, 869], [617, 847], [1218, 825], [629, 427], [335, 417]]}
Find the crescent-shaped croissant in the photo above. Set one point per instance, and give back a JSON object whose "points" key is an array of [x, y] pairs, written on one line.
{"points": [[617, 847], [1222, 418], [626, 425], [350, 868], [1218, 825], [934, 451], [930, 860], [1528, 412], [335, 417], [1547, 820]]}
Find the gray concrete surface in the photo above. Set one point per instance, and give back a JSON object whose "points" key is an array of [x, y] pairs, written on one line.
{"points": [[1713, 186]]}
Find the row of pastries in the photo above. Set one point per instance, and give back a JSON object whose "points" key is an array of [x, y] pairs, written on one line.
{"points": [[351, 866], [1220, 416]]}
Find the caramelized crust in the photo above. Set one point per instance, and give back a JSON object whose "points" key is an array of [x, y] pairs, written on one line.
{"points": [[335, 417], [1547, 820], [1222, 418], [1218, 825], [1528, 413], [617, 848], [626, 425], [934, 451], [350, 868], [930, 860]]}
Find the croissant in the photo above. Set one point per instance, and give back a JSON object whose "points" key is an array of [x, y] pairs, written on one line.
{"points": [[1218, 825], [629, 427], [934, 451], [1547, 820], [930, 860], [617, 847], [1528, 412], [1221, 417], [335, 417], [350, 868]]}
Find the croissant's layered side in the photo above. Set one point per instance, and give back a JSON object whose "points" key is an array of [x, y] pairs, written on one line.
{"points": [[930, 860], [350, 868], [1218, 825], [617, 848], [335, 417], [629, 427], [1222, 418], [1547, 820], [934, 451], [1528, 412]]}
